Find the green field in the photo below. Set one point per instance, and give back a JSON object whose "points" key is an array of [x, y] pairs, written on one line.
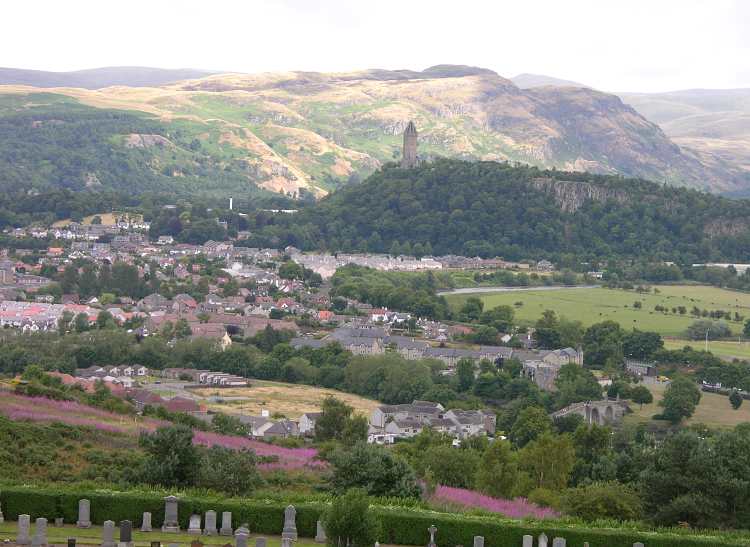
{"points": [[739, 349], [593, 305]]}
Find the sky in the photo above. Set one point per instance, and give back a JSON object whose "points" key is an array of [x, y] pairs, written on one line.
{"points": [[612, 45]]}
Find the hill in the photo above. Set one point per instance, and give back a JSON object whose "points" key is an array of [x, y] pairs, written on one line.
{"points": [[494, 209], [527, 81], [309, 133], [97, 78]]}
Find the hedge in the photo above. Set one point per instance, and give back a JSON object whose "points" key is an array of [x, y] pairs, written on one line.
{"points": [[400, 525]]}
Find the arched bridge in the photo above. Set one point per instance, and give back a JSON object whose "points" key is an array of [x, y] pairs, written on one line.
{"points": [[603, 412]]}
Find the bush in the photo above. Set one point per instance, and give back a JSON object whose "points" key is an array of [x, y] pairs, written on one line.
{"points": [[603, 500], [349, 521]]}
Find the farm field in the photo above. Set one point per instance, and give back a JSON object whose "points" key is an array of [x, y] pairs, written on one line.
{"points": [[592, 305], [291, 400], [728, 349], [713, 410]]}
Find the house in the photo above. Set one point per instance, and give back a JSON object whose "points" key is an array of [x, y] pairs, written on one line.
{"points": [[280, 429], [307, 423], [211, 331]]}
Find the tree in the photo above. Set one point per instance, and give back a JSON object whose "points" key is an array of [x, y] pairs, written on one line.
{"points": [[227, 470], [531, 422], [603, 500], [182, 329], [548, 460], [714, 329], [547, 331], [228, 425], [498, 470], [333, 419], [499, 317], [373, 468], [642, 395], [81, 322], [735, 399], [575, 384], [465, 374], [602, 344], [172, 459], [349, 521], [680, 399], [641, 345], [472, 309], [451, 466], [105, 320]]}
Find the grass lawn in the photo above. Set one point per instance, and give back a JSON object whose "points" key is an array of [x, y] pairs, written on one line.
{"points": [[291, 400], [713, 410], [728, 349], [598, 304], [93, 536]]}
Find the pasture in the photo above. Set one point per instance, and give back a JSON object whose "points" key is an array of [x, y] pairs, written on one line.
{"points": [[593, 305]]}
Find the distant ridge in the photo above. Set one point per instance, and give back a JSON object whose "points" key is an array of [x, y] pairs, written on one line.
{"points": [[527, 81], [97, 78]]}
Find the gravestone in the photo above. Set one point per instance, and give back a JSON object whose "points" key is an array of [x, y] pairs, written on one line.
{"points": [[156, 544], [432, 531], [528, 541], [173, 545], [558, 542], [146, 523], [84, 514], [586, 544], [286, 542], [195, 525], [40, 533], [240, 538], [639, 544], [126, 533], [2, 518], [171, 524], [542, 540], [59, 521], [71, 542], [108, 534], [260, 542], [290, 524], [478, 541], [210, 526], [320, 534], [24, 524], [226, 524]]}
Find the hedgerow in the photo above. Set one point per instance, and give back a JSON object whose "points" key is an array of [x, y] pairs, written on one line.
{"points": [[403, 525]]}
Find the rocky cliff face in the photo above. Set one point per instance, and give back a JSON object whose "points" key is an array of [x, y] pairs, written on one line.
{"points": [[570, 196]]}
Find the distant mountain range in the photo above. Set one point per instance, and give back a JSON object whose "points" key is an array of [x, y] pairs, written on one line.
{"points": [[307, 132]]}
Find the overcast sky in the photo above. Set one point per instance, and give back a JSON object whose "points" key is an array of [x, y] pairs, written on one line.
{"points": [[634, 45]]}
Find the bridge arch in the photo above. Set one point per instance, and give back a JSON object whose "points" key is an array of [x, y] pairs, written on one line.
{"points": [[609, 414], [595, 416]]}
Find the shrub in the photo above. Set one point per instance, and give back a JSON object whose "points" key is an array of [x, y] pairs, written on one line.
{"points": [[349, 521], [603, 500]]}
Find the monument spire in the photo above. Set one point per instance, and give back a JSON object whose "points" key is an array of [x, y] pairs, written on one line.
{"points": [[409, 158]]}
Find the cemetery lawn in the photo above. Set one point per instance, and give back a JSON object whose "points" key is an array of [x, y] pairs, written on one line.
{"points": [[714, 410], [93, 536], [291, 400], [593, 305]]}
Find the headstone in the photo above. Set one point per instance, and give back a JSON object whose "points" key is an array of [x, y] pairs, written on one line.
{"points": [[210, 526], [2, 518], [638, 544], [40, 532], [173, 545], [542, 540], [156, 544], [59, 521], [432, 531], [558, 542], [126, 533], [24, 524], [108, 534], [226, 524], [290, 524], [528, 541], [240, 538], [377, 544], [71, 542], [195, 525], [84, 514], [586, 543], [260, 542], [320, 534], [171, 524], [146, 523], [478, 541], [286, 542]]}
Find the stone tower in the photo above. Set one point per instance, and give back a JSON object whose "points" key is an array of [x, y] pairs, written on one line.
{"points": [[409, 158]]}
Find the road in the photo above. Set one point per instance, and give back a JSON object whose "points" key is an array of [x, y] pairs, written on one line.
{"points": [[476, 290]]}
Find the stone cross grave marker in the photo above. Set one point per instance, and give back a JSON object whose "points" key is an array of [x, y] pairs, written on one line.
{"points": [[171, 522], [24, 524], [432, 530], [290, 524], [40, 533], [209, 527]]}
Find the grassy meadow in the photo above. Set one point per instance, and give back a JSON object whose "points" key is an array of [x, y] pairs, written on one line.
{"points": [[592, 305]]}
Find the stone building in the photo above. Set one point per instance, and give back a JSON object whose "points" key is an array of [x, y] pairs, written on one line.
{"points": [[409, 158]]}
